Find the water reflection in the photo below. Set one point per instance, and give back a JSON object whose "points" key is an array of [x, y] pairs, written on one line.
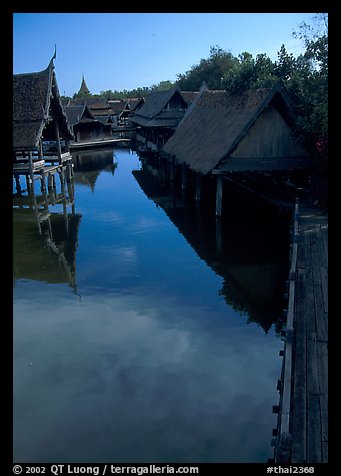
{"points": [[89, 164], [153, 363], [246, 249], [45, 239]]}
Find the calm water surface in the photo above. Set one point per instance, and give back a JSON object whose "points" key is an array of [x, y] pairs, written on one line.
{"points": [[143, 332]]}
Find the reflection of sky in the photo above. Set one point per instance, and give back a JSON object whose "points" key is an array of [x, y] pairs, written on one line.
{"points": [[148, 363], [127, 378]]}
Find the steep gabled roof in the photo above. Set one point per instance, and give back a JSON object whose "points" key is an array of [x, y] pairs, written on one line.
{"points": [[155, 102], [153, 113], [217, 121], [35, 95], [76, 114]]}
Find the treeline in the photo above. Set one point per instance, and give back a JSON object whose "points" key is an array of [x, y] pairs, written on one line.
{"points": [[305, 76]]}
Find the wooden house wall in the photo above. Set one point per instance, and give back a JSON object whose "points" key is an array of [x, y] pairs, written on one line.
{"points": [[270, 136], [91, 131]]}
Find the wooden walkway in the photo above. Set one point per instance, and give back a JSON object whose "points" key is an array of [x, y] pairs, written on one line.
{"points": [[302, 432]]}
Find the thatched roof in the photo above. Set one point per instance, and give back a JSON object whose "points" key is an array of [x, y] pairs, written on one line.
{"points": [[76, 114], [154, 112], [215, 124], [35, 98]]}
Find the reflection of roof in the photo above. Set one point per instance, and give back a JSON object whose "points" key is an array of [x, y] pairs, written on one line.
{"points": [[88, 165], [252, 274], [216, 123], [35, 95], [40, 257]]}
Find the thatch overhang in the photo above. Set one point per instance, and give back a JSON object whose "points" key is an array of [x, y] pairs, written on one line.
{"points": [[36, 103], [216, 123]]}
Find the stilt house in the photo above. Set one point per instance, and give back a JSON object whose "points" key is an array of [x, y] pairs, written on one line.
{"points": [[253, 132], [158, 118], [38, 120]]}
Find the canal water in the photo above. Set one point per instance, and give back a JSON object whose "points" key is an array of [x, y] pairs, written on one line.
{"points": [[145, 330]]}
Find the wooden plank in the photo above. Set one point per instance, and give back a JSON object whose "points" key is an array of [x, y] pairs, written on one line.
{"points": [[314, 431], [298, 417], [322, 352]]}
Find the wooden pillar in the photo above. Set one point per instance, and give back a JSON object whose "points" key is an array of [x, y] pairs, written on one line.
{"points": [[51, 186], [41, 153], [17, 183], [198, 187], [172, 170], [183, 176], [30, 183], [43, 182], [219, 195], [56, 128]]}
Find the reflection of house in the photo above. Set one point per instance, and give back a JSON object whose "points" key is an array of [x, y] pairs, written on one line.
{"points": [[252, 132], [89, 164], [158, 118], [245, 250], [38, 119], [85, 126], [50, 256]]}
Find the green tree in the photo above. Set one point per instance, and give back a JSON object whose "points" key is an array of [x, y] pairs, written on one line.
{"points": [[249, 73], [309, 87], [210, 70], [162, 86]]}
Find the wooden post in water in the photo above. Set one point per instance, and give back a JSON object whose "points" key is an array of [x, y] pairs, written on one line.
{"points": [[172, 169], [219, 195], [198, 187], [51, 187], [59, 150], [30, 182], [183, 176], [17, 183]]}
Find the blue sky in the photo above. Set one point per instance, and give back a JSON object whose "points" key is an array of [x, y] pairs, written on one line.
{"points": [[128, 50]]}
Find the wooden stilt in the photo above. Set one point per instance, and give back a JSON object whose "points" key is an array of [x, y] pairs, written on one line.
{"points": [[17, 183], [172, 170], [183, 176], [219, 195], [198, 187], [31, 175], [28, 184]]}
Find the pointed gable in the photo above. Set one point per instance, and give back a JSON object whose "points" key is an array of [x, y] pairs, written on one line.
{"points": [[36, 101], [161, 109]]}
